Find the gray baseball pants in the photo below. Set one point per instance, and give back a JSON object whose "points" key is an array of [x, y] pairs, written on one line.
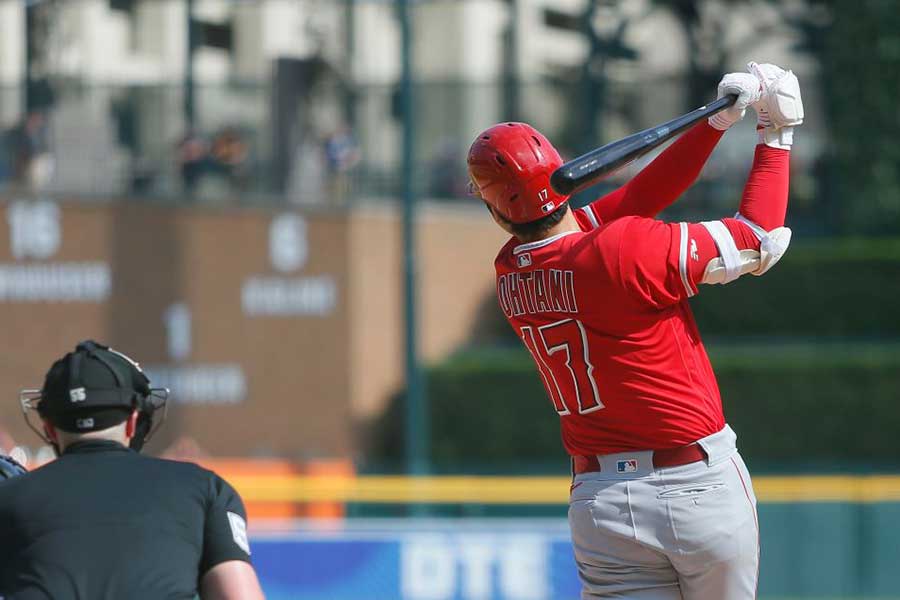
{"points": [[677, 533]]}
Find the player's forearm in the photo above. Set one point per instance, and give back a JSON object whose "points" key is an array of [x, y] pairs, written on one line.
{"points": [[661, 182], [765, 197]]}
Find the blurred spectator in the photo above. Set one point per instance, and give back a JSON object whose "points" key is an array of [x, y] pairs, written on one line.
{"points": [[447, 174], [229, 157], [220, 164], [341, 156], [28, 148], [193, 154]]}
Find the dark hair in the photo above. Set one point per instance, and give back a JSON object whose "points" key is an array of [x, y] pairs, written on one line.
{"points": [[528, 232]]}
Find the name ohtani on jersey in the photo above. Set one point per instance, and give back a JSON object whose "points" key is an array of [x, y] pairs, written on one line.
{"points": [[538, 291]]}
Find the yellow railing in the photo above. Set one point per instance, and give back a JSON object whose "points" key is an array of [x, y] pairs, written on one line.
{"points": [[529, 490]]}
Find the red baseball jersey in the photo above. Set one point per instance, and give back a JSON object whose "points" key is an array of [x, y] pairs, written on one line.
{"points": [[604, 313]]}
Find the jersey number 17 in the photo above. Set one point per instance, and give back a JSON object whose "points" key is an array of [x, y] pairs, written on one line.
{"points": [[568, 337]]}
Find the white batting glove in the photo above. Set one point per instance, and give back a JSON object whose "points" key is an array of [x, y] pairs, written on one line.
{"points": [[748, 90], [780, 106]]}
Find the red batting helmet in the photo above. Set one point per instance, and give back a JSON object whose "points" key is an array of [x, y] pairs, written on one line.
{"points": [[510, 165]]}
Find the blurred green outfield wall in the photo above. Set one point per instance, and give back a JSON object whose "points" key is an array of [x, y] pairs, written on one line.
{"points": [[830, 550]]}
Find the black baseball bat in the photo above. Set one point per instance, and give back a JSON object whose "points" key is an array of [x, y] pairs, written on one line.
{"points": [[586, 170]]}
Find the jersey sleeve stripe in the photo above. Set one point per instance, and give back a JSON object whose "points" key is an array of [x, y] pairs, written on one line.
{"points": [[682, 259], [591, 216]]}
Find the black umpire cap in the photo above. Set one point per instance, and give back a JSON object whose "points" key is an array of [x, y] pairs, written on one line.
{"points": [[95, 388]]}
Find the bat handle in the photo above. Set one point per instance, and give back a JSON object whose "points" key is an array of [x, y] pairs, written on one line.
{"points": [[724, 102], [587, 169]]}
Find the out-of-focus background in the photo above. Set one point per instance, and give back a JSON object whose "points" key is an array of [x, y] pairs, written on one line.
{"points": [[263, 201]]}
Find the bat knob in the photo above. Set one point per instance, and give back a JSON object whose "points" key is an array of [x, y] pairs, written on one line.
{"points": [[562, 182]]}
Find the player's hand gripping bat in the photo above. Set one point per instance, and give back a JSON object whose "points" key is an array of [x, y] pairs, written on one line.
{"points": [[588, 169]]}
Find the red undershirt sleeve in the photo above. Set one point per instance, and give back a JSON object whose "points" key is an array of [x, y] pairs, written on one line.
{"points": [[766, 192], [661, 182]]}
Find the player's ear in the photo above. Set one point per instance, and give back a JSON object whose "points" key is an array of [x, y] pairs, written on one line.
{"points": [[131, 424], [50, 430]]}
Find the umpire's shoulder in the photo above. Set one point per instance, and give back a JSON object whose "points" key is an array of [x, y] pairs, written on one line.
{"points": [[183, 470]]}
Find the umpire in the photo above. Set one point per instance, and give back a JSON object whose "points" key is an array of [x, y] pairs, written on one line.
{"points": [[103, 522]]}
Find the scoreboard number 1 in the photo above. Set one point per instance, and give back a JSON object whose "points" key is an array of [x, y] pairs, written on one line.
{"points": [[570, 382]]}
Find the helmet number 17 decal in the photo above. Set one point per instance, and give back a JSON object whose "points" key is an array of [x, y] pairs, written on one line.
{"points": [[561, 353], [547, 205]]}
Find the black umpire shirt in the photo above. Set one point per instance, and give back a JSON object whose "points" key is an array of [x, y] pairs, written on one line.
{"points": [[106, 523]]}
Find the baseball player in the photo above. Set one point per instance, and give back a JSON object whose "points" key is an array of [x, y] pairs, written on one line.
{"points": [[661, 504]]}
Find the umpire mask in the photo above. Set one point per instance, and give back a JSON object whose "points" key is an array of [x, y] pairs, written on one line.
{"points": [[95, 388]]}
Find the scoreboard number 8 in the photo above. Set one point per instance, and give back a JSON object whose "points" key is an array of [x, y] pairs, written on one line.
{"points": [[564, 379]]}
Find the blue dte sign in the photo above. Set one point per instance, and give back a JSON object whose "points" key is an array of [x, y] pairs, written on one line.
{"points": [[431, 561]]}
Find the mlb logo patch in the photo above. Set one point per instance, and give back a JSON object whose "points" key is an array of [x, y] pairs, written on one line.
{"points": [[84, 423], [524, 260], [239, 531], [627, 466]]}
